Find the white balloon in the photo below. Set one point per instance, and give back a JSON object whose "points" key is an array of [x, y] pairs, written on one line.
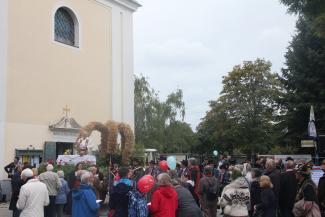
{"points": [[215, 153]]}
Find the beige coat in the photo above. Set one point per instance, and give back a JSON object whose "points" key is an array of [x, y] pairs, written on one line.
{"points": [[33, 197], [52, 182]]}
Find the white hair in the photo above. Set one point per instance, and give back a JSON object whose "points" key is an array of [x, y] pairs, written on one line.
{"points": [[60, 174], [270, 163], [27, 173], [247, 168], [163, 179], [85, 177], [49, 167]]}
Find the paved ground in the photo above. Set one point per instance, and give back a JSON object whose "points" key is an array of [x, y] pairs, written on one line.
{"points": [[5, 212]]}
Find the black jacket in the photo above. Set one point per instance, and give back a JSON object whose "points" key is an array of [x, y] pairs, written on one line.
{"points": [[119, 200], [268, 203], [321, 192], [10, 169], [275, 176], [255, 193], [288, 190], [16, 183]]}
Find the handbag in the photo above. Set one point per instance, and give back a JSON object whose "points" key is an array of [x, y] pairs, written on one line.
{"points": [[299, 209]]}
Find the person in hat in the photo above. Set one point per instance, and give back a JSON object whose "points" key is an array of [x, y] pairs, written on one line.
{"points": [[33, 196], [306, 197], [321, 190]]}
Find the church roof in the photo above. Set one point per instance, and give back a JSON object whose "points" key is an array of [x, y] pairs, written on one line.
{"points": [[132, 5], [65, 123]]}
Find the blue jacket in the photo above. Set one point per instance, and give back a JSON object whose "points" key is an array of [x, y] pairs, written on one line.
{"points": [[61, 198], [84, 202]]}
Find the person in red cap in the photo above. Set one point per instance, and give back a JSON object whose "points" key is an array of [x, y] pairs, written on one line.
{"points": [[164, 201]]}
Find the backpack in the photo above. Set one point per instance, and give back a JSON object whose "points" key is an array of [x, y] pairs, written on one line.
{"points": [[137, 206], [212, 192]]}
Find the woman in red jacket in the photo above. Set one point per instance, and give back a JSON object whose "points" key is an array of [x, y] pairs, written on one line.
{"points": [[164, 200]]}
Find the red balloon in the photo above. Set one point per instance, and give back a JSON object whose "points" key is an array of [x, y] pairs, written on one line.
{"points": [[163, 165], [146, 183]]}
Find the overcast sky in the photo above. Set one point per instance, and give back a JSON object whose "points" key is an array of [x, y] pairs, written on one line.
{"points": [[191, 44]]}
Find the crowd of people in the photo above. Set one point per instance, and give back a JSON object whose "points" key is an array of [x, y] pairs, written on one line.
{"points": [[263, 188]]}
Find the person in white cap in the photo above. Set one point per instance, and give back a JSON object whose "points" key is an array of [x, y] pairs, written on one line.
{"points": [[53, 184], [33, 196]]}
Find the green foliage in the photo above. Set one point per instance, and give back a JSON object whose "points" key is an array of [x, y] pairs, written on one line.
{"points": [[311, 11], [160, 124], [138, 152], [67, 169], [247, 113], [303, 78]]}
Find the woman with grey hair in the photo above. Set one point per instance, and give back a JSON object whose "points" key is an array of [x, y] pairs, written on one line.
{"points": [[84, 198], [61, 198], [164, 200], [186, 204]]}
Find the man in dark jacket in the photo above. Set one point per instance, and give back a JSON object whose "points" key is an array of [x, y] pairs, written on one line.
{"points": [[288, 190], [12, 167], [274, 175], [119, 199], [208, 192], [321, 190], [255, 189], [16, 183]]}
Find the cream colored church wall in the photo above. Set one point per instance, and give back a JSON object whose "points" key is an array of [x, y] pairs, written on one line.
{"points": [[44, 76], [3, 74]]}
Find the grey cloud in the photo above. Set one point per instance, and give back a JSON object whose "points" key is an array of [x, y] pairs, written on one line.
{"points": [[192, 44]]}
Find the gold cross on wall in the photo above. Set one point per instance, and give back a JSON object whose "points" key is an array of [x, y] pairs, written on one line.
{"points": [[66, 110]]}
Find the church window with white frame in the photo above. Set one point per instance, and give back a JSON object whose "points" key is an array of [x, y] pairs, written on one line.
{"points": [[66, 27]]}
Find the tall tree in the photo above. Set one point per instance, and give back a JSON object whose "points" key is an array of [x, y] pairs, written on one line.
{"points": [[246, 114], [304, 81], [312, 11], [160, 124]]}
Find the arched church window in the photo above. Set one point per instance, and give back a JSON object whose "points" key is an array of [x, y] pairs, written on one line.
{"points": [[66, 27]]}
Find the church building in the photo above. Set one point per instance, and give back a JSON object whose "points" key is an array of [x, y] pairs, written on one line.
{"points": [[63, 63]]}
